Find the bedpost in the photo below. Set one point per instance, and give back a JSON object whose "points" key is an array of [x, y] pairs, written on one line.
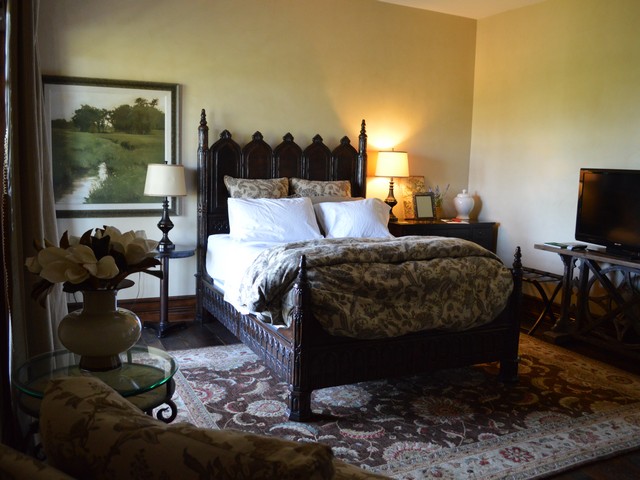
{"points": [[203, 218], [300, 394], [362, 159], [509, 363]]}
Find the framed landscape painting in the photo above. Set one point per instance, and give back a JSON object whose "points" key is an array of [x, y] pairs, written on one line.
{"points": [[103, 134]]}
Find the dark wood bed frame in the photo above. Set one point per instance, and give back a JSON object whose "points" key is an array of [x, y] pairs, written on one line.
{"points": [[304, 355]]}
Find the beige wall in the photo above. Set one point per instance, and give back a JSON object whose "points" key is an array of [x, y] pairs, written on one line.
{"points": [[304, 66], [556, 89]]}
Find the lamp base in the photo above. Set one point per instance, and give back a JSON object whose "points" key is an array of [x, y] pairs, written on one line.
{"points": [[165, 225], [391, 201], [168, 246]]}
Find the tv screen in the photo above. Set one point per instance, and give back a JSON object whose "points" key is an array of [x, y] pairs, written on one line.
{"points": [[609, 210]]}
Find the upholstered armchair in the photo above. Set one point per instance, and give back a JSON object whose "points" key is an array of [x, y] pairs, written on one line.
{"points": [[89, 431]]}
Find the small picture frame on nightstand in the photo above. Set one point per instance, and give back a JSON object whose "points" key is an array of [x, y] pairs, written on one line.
{"points": [[424, 206]]}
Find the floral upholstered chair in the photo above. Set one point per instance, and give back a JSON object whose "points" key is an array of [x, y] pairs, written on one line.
{"points": [[89, 431]]}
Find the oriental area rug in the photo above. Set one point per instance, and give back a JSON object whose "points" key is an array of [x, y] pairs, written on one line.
{"points": [[460, 423]]}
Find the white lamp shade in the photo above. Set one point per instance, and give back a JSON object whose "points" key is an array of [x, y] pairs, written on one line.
{"points": [[392, 164], [165, 180]]}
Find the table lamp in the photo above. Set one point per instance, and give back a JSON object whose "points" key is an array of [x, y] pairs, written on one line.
{"points": [[392, 164], [164, 180]]}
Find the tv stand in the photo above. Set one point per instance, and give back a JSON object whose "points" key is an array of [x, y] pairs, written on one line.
{"points": [[621, 253], [607, 299]]}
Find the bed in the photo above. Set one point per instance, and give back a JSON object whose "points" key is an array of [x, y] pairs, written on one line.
{"points": [[302, 351]]}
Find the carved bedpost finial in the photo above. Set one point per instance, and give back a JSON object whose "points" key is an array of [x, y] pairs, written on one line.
{"points": [[302, 269], [300, 284], [517, 258], [203, 131], [363, 128], [517, 270]]}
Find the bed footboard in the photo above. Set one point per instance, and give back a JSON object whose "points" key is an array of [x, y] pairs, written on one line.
{"points": [[307, 358], [332, 361]]}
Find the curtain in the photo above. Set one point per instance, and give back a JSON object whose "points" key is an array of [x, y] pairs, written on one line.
{"points": [[30, 186], [6, 419]]}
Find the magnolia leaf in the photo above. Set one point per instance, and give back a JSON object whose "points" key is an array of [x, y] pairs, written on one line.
{"points": [[64, 240], [146, 263], [121, 261], [40, 291], [101, 246], [85, 239]]}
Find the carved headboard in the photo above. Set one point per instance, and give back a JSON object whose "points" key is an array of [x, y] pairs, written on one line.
{"points": [[257, 159]]}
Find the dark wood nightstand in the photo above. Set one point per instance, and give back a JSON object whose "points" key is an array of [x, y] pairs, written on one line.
{"points": [[163, 327], [482, 233]]}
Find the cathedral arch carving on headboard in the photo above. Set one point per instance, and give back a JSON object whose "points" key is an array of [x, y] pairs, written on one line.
{"points": [[257, 159]]}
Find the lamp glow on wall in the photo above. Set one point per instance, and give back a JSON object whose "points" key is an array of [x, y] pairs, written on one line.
{"points": [[392, 164], [164, 180]]}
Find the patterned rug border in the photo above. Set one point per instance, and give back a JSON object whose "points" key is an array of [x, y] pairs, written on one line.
{"points": [[190, 408], [621, 426], [473, 456]]}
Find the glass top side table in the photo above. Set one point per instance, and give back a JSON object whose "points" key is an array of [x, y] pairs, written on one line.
{"points": [[143, 372]]}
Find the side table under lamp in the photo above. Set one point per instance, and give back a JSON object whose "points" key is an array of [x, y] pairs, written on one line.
{"points": [[165, 180]]}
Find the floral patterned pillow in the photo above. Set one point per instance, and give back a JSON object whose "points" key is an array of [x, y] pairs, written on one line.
{"points": [[89, 431], [257, 188], [316, 188]]}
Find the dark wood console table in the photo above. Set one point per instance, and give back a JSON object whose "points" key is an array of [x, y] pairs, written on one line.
{"points": [[607, 299], [482, 233]]}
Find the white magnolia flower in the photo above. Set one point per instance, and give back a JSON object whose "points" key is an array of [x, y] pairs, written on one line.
{"points": [[75, 263], [134, 245], [64, 270], [104, 268]]}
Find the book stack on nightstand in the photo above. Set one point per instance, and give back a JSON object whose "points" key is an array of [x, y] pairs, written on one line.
{"points": [[482, 233]]}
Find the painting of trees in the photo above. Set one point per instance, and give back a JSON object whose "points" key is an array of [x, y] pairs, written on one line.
{"points": [[104, 134], [139, 118]]}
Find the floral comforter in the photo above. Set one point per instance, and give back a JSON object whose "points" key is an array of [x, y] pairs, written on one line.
{"points": [[377, 288]]}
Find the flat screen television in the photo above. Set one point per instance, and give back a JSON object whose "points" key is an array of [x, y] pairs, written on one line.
{"points": [[609, 210]]}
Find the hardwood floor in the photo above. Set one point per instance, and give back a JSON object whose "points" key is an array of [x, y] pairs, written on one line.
{"points": [[621, 467]]}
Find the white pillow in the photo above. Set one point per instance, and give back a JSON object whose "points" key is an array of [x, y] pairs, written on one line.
{"points": [[359, 218], [272, 220]]}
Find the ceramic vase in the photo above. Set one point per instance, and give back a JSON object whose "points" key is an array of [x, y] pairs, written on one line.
{"points": [[100, 331], [464, 204]]}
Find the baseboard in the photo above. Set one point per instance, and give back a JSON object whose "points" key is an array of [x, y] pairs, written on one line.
{"points": [[181, 308]]}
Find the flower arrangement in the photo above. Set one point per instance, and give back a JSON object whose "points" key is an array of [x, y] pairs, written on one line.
{"points": [[438, 195], [94, 261]]}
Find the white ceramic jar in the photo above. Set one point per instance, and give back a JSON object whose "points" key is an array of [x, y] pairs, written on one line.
{"points": [[464, 204]]}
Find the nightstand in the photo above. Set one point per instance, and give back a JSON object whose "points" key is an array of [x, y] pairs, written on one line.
{"points": [[482, 233], [163, 327]]}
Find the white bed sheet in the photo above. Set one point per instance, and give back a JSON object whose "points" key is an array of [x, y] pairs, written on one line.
{"points": [[227, 260]]}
